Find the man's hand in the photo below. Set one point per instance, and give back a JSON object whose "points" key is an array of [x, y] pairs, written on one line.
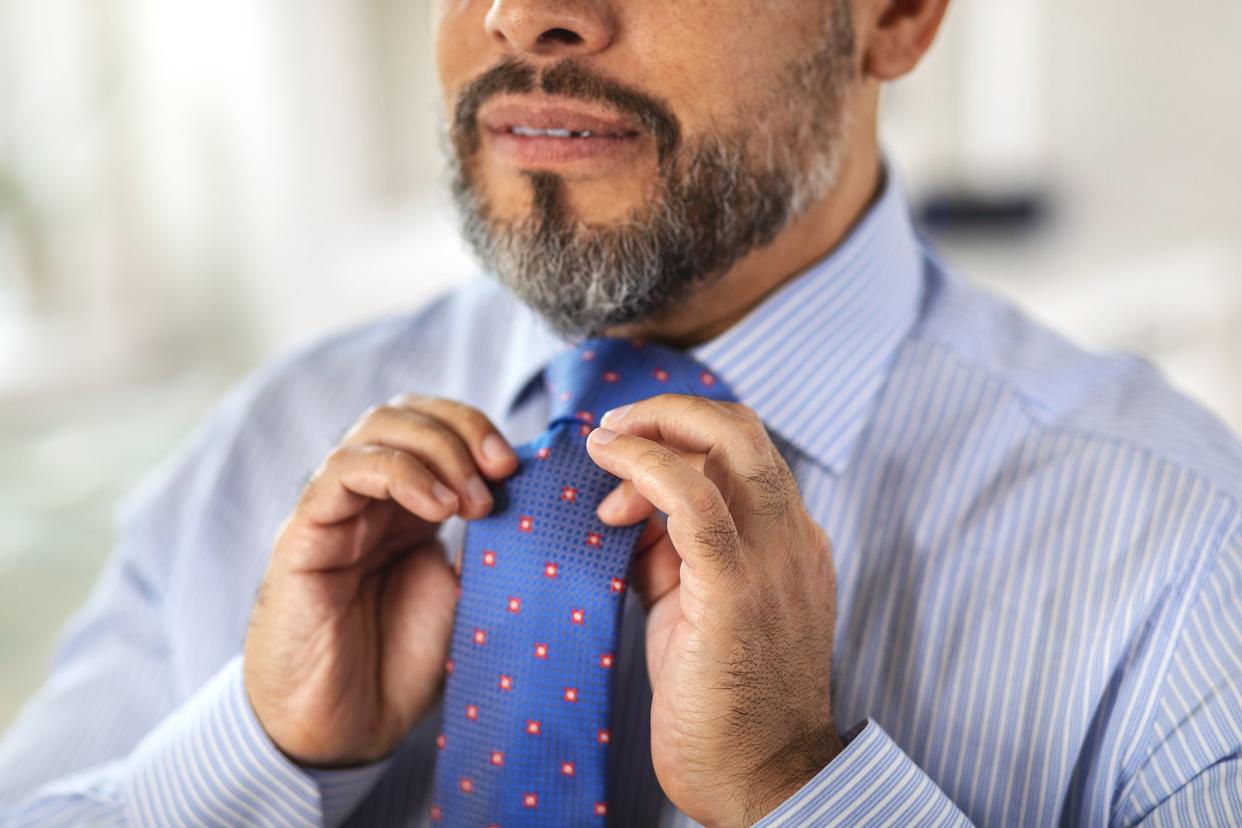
{"points": [[740, 593], [349, 635]]}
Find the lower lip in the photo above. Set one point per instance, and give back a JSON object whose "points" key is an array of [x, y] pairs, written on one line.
{"points": [[528, 150]]}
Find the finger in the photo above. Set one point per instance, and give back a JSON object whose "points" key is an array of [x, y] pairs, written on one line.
{"points": [[492, 453], [699, 523], [441, 449], [739, 455], [624, 506], [695, 424], [353, 476]]}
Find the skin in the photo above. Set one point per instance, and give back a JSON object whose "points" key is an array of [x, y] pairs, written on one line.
{"points": [[347, 641]]}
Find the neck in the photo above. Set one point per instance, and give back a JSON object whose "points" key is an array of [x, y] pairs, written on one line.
{"points": [[817, 232]]}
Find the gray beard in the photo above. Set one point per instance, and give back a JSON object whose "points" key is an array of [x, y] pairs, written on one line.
{"points": [[718, 198]]}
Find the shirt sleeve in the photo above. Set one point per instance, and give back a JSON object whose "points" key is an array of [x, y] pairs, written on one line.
{"points": [[109, 738], [208, 763], [1190, 759], [871, 782], [1188, 770]]}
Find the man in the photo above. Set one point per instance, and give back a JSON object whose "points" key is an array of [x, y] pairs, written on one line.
{"points": [[1023, 562]]}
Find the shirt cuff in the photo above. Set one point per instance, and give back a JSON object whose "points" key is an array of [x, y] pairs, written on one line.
{"points": [[342, 790], [871, 782], [211, 762]]}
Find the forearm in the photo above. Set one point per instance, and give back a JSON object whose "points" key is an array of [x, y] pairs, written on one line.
{"points": [[208, 763]]}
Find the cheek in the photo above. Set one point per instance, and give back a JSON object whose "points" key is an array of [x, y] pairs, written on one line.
{"points": [[713, 62], [462, 44]]}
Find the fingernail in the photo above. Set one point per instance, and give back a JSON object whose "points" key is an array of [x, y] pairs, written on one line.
{"points": [[614, 414], [495, 448], [443, 493], [603, 435], [477, 490]]}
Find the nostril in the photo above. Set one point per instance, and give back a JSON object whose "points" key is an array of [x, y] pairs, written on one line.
{"points": [[562, 36]]}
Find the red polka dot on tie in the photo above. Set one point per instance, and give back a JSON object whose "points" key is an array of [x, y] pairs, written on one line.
{"points": [[532, 727], [440, 741], [594, 539], [567, 768], [543, 453], [436, 813], [541, 651], [569, 494], [498, 758], [588, 355], [466, 784], [605, 660], [515, 604], [525, 523], [603, 737], [530, 799], [489, 557], [448, 666], [584, 430], [472, 712], [577, 616], [480, 636], [601, 809], [506, 682], [550, 569], [571, 694], [611, 376], [617, 585], [660, 374], [707, 378], [585, 416]]}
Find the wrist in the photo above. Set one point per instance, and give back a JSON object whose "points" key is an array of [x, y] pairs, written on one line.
{"points": [[787, 770]]}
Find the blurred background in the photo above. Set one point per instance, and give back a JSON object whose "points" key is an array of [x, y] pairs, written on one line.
{"points": [[188, 189]]}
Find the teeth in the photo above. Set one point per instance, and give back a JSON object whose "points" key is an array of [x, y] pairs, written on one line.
{"points": [[530, 132]]}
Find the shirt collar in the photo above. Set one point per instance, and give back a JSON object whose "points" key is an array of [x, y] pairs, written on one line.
{"points": [[811, 357]]}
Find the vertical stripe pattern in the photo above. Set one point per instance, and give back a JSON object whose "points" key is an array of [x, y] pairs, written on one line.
{"points": [[1038, 553]]}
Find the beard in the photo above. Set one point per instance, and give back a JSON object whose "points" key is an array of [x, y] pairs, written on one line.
{"points": [[717, 197]]}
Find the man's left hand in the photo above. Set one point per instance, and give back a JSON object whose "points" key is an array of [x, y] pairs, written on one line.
{"points": [[740, 593]]}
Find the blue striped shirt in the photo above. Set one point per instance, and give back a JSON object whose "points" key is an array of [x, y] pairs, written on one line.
{"points": [[1038, 548]]}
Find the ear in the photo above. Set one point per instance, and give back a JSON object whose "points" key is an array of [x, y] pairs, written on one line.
{"points": [[899, 33]]}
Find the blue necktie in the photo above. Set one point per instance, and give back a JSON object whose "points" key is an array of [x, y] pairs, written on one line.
{"points": [[526, 708]]}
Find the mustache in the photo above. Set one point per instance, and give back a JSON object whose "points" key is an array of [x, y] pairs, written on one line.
{"points": [[566, 79]]}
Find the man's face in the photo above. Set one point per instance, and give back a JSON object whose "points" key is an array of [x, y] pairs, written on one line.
{"points": [[611, 157]]}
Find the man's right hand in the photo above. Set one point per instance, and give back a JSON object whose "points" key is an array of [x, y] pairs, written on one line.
{"points": [[350, 632]]}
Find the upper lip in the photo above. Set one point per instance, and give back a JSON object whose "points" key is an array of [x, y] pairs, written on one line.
{"points": [[505, 115]]}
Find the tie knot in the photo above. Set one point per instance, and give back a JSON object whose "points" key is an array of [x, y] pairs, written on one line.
{"points": [[605, 372]]}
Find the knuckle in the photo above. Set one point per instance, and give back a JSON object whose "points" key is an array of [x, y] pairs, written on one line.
{"points": [[336, 458], [717, 537], [703, 501], [699, 404], [770, 494], [473, 418], [406, 399], [653, 460], [373, 414], [757, 439], [395, 461], [373, 418]]}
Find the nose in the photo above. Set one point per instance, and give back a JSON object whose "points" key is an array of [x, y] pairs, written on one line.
{"points": [[551, 28]]}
